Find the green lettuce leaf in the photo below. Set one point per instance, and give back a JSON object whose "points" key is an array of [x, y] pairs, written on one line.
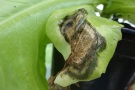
{"points": [[122, 8], [23, 41], [109, 29]]}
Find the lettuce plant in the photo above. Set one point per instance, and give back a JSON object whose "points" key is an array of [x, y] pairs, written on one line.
{"points": [[27, 26]]}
